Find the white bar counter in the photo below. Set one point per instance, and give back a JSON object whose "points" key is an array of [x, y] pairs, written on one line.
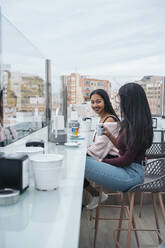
{"points": [[47, 219]]}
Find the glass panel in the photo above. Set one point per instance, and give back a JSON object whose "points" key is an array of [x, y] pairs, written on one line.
{"points": [[23, 82], [58, 119], [0, 49]]}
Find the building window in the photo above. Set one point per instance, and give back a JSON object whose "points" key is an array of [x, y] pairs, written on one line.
{"points": [[86, 83], [100, 83]]}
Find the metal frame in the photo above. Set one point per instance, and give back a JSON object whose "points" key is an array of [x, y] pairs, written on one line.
{"points": [[48, 95]]}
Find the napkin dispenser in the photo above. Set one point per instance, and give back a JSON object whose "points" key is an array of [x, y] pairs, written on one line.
{"points": [[14, 172]]}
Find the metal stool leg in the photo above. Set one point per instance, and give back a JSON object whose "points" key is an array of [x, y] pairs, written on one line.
{"points": [[97, 217], [141, 203], [156, 216], [132, 198], [134, 226], [121, 217], [161, 205]]}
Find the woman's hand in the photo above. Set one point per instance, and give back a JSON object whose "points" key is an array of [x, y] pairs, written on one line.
{"points": [[109, 135], [107, 132]]}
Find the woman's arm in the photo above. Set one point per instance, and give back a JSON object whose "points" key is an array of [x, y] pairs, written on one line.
{"points": [[126, 156], [125, 160], [110, 136]]}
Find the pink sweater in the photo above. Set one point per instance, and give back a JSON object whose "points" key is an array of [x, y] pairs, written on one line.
{"points": [[101, 145]]}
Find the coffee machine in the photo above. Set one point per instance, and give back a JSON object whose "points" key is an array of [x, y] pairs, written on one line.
{"points": [[58, 134]]}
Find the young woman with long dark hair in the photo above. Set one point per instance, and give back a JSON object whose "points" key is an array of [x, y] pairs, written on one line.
{"points": [[102, 106], [135, 137], [102, 147]]}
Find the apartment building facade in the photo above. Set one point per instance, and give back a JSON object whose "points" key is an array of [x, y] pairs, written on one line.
{"points": [[154, 88], [79, 87], [23, 92]]}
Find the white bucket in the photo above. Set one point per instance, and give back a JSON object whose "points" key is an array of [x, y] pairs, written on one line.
{"points": [[47, 170], [30, 151]]}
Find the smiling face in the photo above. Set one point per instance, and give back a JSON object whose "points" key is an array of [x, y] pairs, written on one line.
{"points": [[97, 104]]}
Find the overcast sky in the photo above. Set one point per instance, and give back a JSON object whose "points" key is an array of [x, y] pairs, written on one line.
{"points": [[116, 39]]}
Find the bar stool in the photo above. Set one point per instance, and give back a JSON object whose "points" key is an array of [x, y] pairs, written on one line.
{"points": [[154, 183], [97, 216], [156, 151]]}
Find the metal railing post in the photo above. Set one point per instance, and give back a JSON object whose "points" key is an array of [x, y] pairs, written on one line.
{"points": [[1, 86], [48, 95], [64, 89]]}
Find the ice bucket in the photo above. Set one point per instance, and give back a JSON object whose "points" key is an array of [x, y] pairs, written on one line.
{"points": [[47, 170]]}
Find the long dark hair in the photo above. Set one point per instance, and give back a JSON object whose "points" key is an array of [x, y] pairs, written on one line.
{"points": [[1, 107], [136, 115], [108, 106]]}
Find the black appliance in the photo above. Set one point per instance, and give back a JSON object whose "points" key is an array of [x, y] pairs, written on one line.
{"points": [[38, 143], [14, 172]]}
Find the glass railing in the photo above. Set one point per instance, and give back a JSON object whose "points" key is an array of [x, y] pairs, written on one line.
{"points": [[24, 87], [23, 83]]}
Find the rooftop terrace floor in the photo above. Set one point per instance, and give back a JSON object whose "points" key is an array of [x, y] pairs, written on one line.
{"points": [[105, 233]]}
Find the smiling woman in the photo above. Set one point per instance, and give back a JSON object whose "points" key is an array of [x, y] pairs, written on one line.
{"points": [[97, 103], [101, 104], [102, 147]]}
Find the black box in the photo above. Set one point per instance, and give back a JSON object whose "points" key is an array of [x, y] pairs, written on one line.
{"points": [[14, 172]]}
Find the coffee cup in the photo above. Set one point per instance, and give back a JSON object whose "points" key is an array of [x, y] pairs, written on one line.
{"points": [[100, 129]]}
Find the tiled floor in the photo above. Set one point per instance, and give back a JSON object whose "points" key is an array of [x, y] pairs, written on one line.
{"points": [[105, 234]]}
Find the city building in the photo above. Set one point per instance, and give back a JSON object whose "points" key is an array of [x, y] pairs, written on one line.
{"points": [[32, 93], [79, 87], [154, 88], [114, 101], [22, 92]]}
